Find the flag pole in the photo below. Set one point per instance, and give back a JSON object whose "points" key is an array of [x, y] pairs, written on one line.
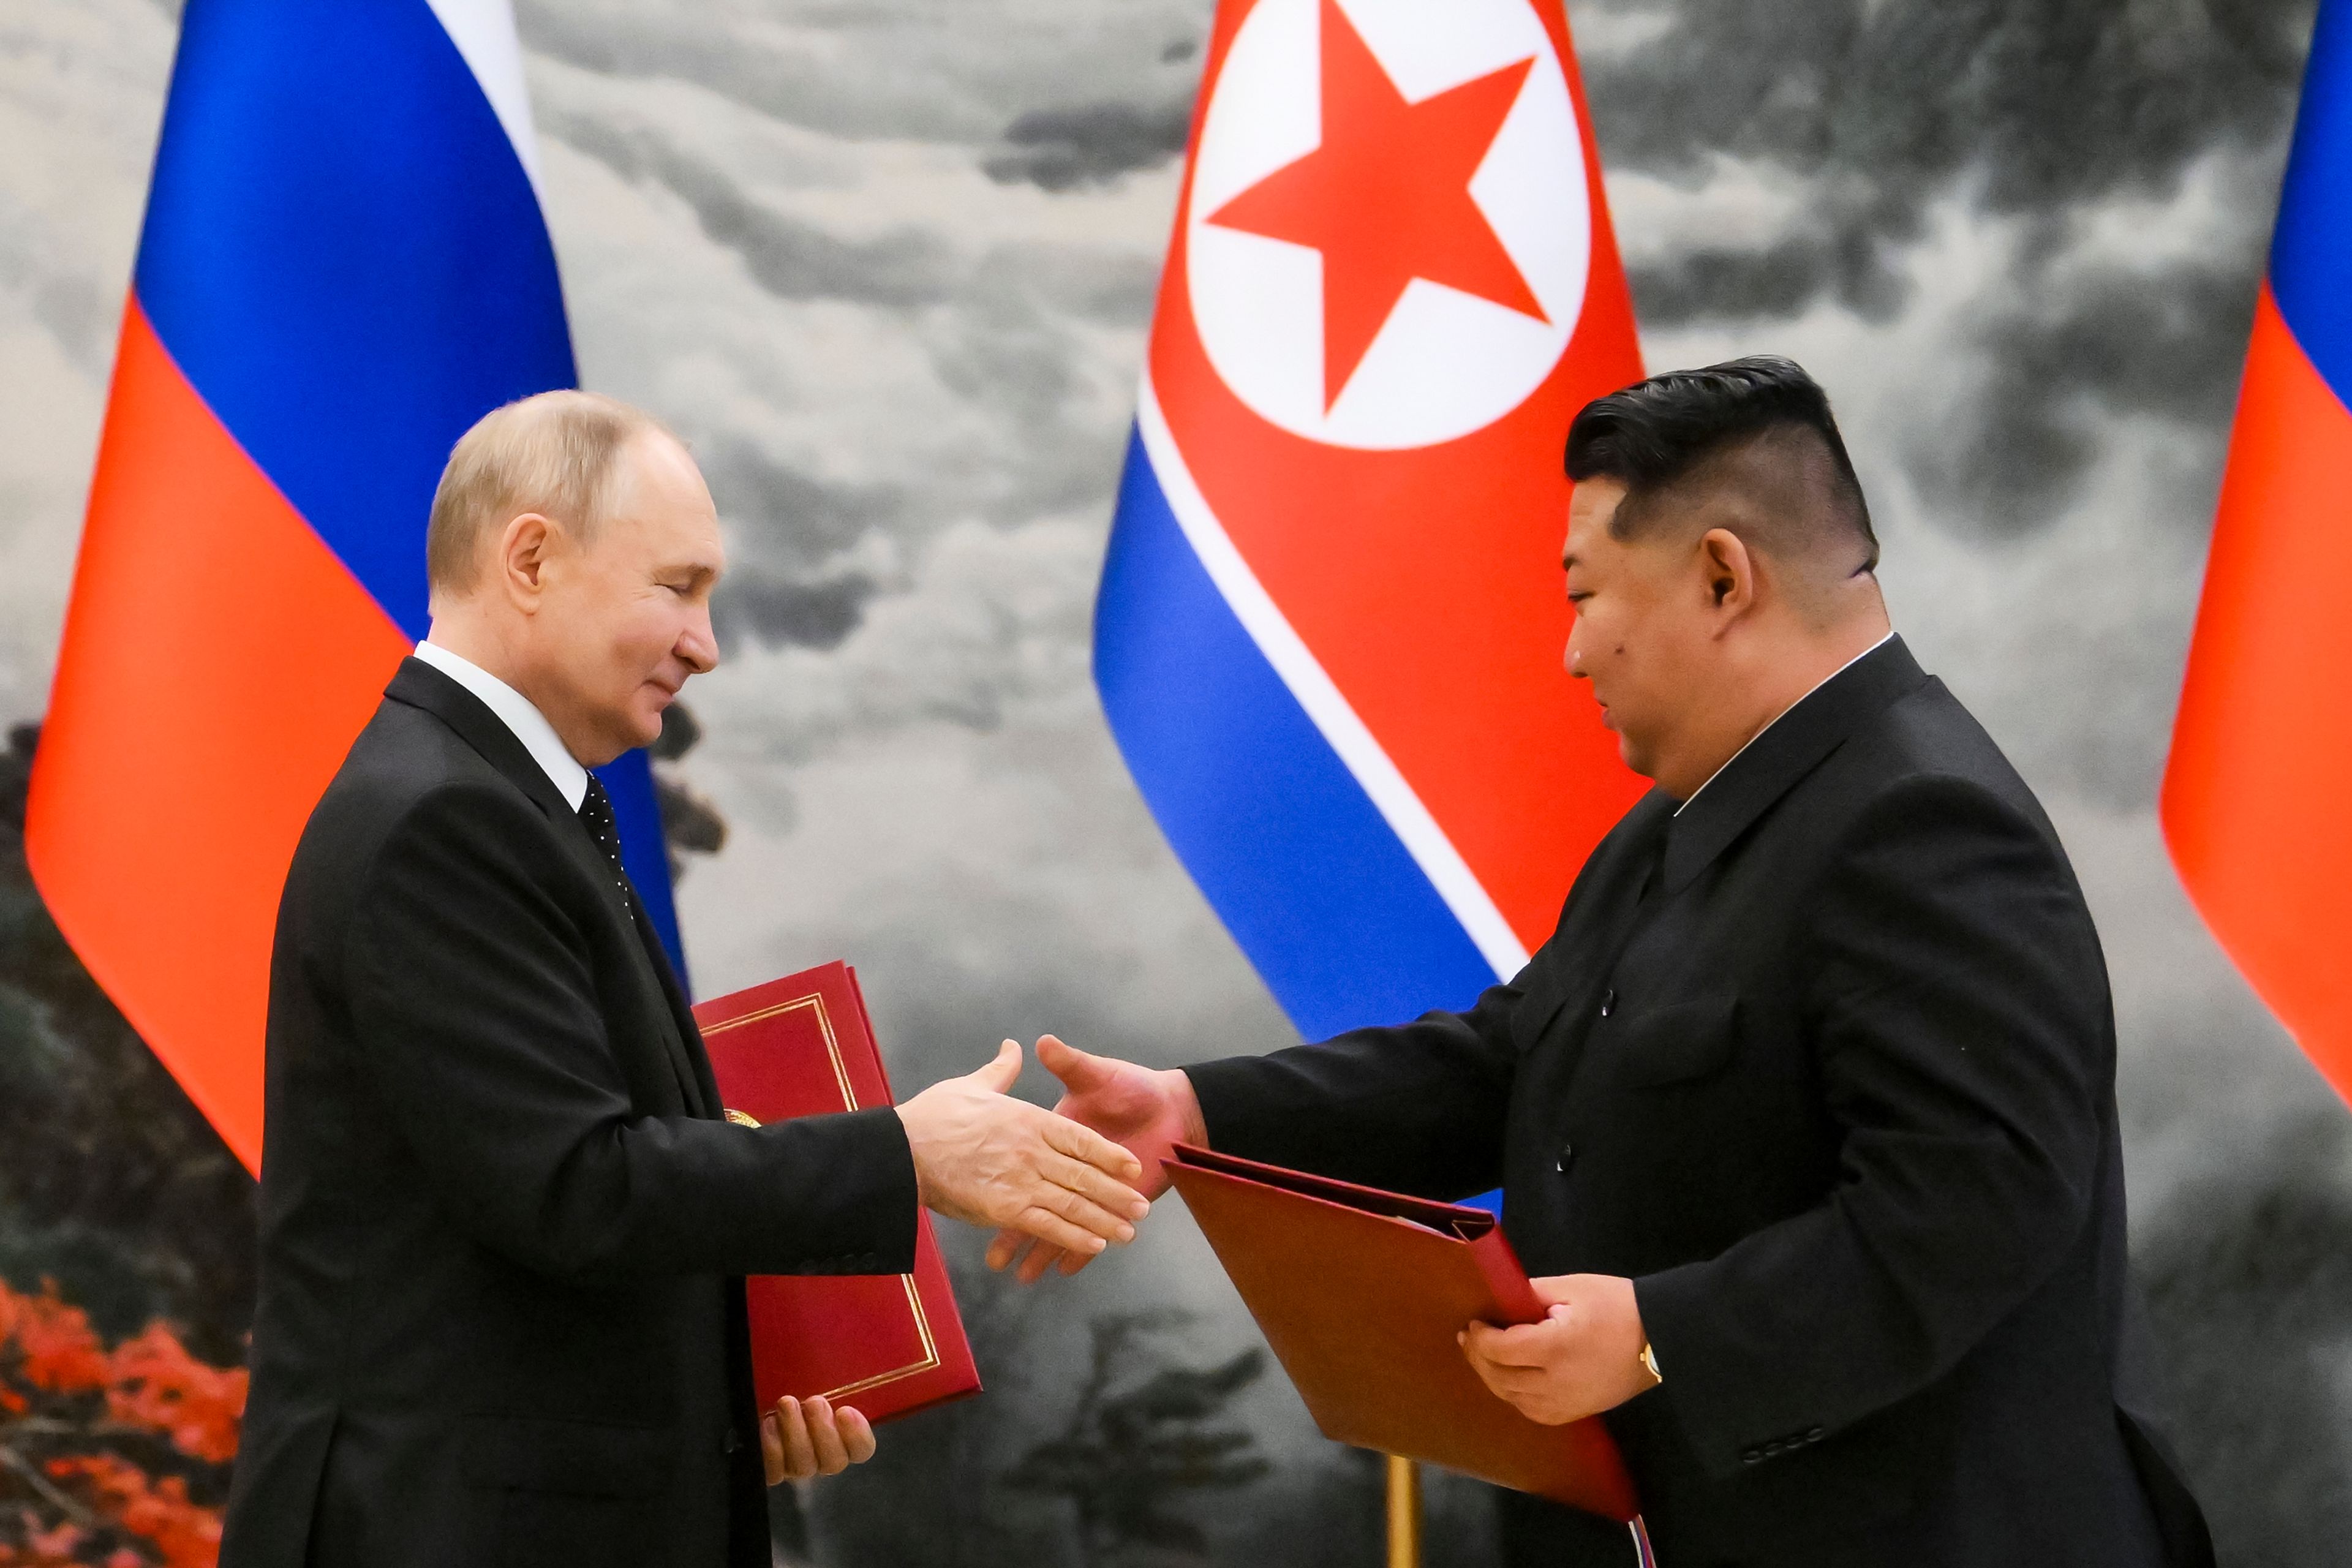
{"points": [[1404, 1513]]}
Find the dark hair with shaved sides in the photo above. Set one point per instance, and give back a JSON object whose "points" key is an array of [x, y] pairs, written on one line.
{"points": [[1756, 434]]}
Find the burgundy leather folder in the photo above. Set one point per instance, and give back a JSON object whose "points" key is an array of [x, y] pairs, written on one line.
{"points": [[887, 1344], [1360, 1292]]}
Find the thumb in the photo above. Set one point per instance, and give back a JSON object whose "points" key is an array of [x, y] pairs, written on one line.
{"points": [[1076, 1070], [997, 1075]]}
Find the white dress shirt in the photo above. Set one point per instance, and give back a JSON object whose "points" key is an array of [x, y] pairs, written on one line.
{"points": [[520, 714], [1776, 718]]}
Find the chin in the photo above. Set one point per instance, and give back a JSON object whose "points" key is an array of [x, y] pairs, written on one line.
{"points": [[647, 728]]}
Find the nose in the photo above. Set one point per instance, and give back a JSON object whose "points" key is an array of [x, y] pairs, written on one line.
{"points": [[698, 645]]}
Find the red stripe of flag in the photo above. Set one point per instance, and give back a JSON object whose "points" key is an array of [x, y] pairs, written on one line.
{"points": [[2254, 802], [217, 660]]}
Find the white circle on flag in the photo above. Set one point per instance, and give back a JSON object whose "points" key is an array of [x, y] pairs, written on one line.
{"points": [[1444, 362]]}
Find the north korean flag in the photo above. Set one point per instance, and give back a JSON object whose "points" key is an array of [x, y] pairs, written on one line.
{"points": [[1330, 626]]}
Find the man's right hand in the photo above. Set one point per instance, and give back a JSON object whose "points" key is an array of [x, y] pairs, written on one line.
{"points": [[1147, 1113], [986, 1158]]}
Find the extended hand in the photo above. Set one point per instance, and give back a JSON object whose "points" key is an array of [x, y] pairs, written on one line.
{"points": [[985, 1158], [1145, 1112], [1582, 1359], [800, 1438]]}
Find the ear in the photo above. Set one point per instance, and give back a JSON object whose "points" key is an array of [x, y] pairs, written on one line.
{"points": [[523, 548], [1728, 569]]}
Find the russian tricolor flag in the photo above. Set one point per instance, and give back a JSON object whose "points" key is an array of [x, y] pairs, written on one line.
{"points": [[2256, 793], [344, 264], [1329, 633]]}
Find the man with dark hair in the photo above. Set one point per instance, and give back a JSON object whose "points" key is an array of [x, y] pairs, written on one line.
{"points": [[1806, 1114]]}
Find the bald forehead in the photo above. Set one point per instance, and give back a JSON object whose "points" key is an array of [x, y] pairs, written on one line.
{"points": [[654, 460]]}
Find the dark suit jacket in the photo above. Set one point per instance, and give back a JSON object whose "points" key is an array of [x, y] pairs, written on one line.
{"points": [[1826, 1065], [502, 1221]]}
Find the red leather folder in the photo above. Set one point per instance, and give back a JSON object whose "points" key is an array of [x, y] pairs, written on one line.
{"points": [[887, 1344], [1360, 1292]]}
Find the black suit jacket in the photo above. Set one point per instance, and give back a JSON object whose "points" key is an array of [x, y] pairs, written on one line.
{"points": [[1826, 1065], [503, 1222]]}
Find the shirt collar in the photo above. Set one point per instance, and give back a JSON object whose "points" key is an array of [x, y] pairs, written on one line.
{"points": [[520, 714], [1784, 712]]}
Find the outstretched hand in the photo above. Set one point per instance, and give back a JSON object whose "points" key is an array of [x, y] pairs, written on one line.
{"points": [[986, 1158], [1146, 1112]]}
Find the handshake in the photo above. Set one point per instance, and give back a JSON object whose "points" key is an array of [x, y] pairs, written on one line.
{"points": [[1060, 1186]]}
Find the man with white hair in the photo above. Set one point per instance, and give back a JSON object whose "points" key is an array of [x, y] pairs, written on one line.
{"points": [[504, 1221]]}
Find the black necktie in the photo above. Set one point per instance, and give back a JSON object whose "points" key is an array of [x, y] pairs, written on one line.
{"points": [[597, 815]]}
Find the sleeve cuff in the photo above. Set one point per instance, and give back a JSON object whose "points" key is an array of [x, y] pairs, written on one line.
{"points": [[1677, 1306]]}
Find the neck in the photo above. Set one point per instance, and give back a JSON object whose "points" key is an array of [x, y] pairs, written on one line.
{"points": [[485, 645], [1775, 680]]}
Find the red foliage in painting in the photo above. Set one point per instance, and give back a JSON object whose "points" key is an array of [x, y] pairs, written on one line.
{"points": [[109, 1457], [156, 1383]]}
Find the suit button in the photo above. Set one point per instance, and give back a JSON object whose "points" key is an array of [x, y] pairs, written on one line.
{"points": [[731, 1442], [1751, 1457], [1814, 1436], [1567, 1153], [1609, 1002]]}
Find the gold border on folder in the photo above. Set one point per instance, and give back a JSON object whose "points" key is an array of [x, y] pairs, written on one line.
{"points": [[815, 1003]]}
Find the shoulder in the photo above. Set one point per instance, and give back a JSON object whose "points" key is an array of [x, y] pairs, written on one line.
{"points": [[1925, 768], [410, 778]]}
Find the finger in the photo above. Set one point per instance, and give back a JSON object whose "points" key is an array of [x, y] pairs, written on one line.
{"points": [[771, 1448], [1039, 1258], [1554, 1290], [1082, 1143], [1071, 1263], [1083, 1212], [800, 1453], [997, 1075], [1090, 1184], [1532, 1344], [1055, 1231], [1078, 1070], [1485, 1369], [825, 1437], [1005, 1248], [856, 1436]]}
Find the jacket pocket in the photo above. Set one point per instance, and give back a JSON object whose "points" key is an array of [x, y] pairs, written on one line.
{"points": [[575, 1458], [1677, 1044]]}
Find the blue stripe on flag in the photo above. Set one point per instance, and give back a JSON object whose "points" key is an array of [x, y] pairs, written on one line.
{"points": [[2311, 250], [346, 259], [1292, 854]]}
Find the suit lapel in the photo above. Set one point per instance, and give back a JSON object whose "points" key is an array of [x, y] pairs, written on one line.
{"points": [[685, 1035], [1787, 749], [419, 685]]}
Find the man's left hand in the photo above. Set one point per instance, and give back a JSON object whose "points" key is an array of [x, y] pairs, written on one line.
{"points": [[804, 1437], [1584, 1357]]}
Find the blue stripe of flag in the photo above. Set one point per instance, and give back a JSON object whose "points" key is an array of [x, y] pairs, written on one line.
{"points": [[1289, 850]]}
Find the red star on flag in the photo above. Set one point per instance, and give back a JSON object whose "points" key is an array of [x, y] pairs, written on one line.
{"points": [[1386, 196]]}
